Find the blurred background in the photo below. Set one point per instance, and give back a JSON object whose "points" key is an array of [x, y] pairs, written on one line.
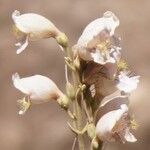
{"points": [[44, 126]]}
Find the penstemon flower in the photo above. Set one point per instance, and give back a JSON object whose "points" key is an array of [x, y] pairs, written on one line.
{"points": [[33, 27], [38, 89], [114, 123], [97, 42]]}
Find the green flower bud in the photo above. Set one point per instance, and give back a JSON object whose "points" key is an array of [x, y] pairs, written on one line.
{"points": [[95, 144], [77, 62], [62, 40], [70, 91], [63, 101], [91, 130]]}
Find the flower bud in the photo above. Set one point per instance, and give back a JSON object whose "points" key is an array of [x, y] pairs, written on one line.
{"points": [[70, 90], [34, 27], [37, 88], [95, 144], [63, 101], [77, 62], [62, 40], [91, 130]]}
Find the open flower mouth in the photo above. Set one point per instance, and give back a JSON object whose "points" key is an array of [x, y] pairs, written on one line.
{"points": [[104, 46], [22, 38]]}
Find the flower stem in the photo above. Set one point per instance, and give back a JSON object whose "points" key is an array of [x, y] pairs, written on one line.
{"points": [[78, 111], [77, 107]]}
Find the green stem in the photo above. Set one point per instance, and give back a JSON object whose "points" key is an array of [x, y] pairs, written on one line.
{"points": [[77, 108], [78, 112]]}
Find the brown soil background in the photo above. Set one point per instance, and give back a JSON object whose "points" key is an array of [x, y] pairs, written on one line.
{"points": [[44, 126]]}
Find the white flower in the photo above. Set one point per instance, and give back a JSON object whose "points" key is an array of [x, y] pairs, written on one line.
{"points": [[37, 88], [33, 27], [96, 42], [127, 84], [114, 126], [108, 22]]}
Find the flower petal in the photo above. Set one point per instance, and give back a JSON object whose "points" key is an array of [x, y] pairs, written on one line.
{"points": [[16, 81], [127, 84], [15, 14], [129, 137], [109, 22], [22, 46], [97, 57]]}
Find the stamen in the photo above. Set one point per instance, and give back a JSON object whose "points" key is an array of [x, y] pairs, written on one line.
{"points": [[133, 124], [122, 65], [104, 46], [23, 105]]}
